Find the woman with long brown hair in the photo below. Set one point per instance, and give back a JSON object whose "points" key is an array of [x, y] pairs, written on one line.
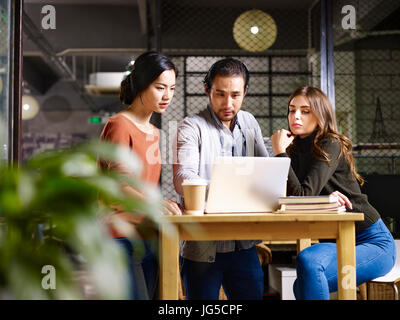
{"points": [[322, 164]]}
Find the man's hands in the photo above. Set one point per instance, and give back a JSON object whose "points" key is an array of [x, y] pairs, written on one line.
{"points": [[171, 208]]}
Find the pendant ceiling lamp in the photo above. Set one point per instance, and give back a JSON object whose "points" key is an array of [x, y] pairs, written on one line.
{"points": [[30, 107], [255, 31]]}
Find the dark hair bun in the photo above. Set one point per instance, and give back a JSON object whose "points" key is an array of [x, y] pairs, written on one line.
{"points": [[147, 68], [126, 94]]}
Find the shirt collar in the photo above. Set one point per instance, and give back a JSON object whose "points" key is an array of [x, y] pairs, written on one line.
{"points": [[218, 122]]}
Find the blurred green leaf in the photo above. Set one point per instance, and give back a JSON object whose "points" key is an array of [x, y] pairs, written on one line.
{"points": [[50, 211]]}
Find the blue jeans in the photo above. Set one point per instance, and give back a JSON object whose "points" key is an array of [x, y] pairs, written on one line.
{"points": [[317, 266], [239, 272], [143, 269]]}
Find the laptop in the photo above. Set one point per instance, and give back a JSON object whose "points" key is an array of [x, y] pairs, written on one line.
{"points": [[247, 184]]}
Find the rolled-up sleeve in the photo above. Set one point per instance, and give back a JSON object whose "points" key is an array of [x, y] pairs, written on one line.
{"points": [[186, 151], [257, 139], [260, 149]]}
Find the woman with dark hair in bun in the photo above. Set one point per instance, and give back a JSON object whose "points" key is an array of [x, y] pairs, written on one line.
{"points": [[148, 88]]}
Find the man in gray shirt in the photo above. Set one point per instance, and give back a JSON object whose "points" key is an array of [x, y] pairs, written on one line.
{"points": [[221, 129]]}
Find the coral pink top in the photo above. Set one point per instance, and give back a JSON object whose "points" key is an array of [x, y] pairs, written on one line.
{"points": [[122, 131]]}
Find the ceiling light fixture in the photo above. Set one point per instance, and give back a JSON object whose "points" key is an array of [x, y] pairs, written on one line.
{"points": [[30, 107], [255, 31]]}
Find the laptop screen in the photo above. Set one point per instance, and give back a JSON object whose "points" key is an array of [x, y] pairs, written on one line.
{"points": [[247, 184]]}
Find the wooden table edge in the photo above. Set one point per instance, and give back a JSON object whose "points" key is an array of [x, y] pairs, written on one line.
{"points": [[265, 217]]}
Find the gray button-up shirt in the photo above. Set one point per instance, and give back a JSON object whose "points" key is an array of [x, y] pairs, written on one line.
{"points": [[200, 139]]}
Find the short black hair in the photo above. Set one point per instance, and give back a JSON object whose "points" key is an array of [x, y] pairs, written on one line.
{"points": [[225, 68], [147, 68]]}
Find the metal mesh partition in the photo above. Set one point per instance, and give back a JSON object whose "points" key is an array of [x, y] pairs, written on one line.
{"points": [[225, 26], [272, 79], [366, 70], [367, 65], [280, 43], [197, 35]]}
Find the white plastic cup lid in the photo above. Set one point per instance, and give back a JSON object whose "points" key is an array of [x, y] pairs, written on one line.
{"points": [[194, 182]]}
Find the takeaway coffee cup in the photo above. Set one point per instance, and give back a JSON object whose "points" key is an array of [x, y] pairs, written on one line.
{"points": [[194, 192]]}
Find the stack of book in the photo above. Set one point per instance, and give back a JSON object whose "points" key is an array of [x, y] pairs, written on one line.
{"points": [[310, 204]]}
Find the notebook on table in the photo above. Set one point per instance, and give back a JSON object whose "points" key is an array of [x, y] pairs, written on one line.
{"points": [[247, 184]]}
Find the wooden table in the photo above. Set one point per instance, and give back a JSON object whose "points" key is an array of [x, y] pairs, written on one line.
{"points": [[263, 226]]}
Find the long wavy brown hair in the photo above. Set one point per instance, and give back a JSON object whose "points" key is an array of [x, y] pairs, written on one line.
{"points": [[326, 128]]}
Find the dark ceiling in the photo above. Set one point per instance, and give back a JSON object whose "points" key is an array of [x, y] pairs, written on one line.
{"points": [[103, 35], [392, 22]]}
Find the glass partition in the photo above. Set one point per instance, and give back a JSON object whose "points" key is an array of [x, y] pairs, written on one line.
{"points": [[5, 40]]}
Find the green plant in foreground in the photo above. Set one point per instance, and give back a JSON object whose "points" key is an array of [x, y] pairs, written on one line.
{"points": [[50, 212]]}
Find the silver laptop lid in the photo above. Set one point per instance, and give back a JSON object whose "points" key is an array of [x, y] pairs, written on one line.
{"points": [[247, 184]]}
